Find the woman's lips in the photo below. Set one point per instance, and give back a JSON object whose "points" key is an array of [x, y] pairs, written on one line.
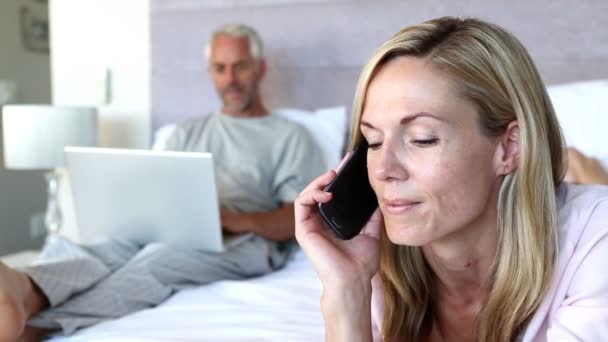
{"points": [[395, 207]]}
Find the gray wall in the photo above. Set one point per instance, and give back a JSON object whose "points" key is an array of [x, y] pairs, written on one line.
{"points": [[315, 48], [22, 193]]}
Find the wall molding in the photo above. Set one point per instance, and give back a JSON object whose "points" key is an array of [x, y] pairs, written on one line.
{"points": [[188, 5]]}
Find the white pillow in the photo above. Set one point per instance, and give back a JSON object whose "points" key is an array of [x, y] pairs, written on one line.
{"points": [[327, 126], [161, 136], [582, 111]]}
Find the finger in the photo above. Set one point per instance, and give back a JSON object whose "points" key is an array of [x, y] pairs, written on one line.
{"points": [[316, 239], [319, 249], [344, 159], [305, 232], [320, 182], [312, 197], [375, 223], [305, 204]]}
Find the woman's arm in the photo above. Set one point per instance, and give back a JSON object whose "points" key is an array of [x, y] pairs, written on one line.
{"points": [[347, 313], [583, 313], [345, 268]]}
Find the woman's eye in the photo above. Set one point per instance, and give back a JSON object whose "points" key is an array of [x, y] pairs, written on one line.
{"points": [[374, 146], [425, 142]]}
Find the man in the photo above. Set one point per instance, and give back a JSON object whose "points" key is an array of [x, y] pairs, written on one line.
{"points": [[262, 163]]}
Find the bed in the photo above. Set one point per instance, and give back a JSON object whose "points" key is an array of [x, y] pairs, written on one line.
{"points": [[324, 58], [282, 306]]}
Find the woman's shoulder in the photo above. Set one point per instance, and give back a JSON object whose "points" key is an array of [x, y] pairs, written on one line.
{"points": [[583, 233], [579, 287], [582, 215], [569, 194], [582, 211]]}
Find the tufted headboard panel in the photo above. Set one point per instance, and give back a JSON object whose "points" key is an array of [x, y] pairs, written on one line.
{"points": [[315, 48]]}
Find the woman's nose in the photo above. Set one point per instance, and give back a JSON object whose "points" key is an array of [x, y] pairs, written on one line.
{"points": [[389, 166]]}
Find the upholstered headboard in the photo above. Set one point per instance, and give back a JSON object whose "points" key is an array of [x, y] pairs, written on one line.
{"points": [[315, 48]]}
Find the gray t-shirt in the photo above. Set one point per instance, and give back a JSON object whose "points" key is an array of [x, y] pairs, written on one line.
{"points": [[259, 162]]}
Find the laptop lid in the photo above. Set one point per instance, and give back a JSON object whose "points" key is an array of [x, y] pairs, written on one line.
{"points": [[145, 196]]}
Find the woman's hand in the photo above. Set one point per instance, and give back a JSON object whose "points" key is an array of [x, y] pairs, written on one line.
{"points": [[344, 267], [338, 263]]}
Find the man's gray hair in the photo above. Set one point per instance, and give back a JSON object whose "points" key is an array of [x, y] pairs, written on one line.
{"points": [[256, 49]]}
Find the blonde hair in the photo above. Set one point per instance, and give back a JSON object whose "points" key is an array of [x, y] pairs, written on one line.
{"points": [[256, 48], [494, 71]]}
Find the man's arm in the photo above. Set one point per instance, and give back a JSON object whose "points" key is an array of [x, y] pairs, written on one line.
{"points": [[276, 225]]}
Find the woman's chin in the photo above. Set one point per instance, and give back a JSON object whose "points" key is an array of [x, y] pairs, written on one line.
{"points": [[407, 234]]}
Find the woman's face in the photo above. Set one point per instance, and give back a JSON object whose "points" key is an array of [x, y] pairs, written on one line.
{"points": [[430, 165]]}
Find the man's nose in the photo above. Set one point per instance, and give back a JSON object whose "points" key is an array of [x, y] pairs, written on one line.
{"points": [[231, 76]]}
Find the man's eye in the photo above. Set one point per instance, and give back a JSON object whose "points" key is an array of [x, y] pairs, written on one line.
{"points": [[241, 66], [425, 142]]}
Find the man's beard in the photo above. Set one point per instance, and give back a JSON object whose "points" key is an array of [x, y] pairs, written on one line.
{"points": [[243, 104]]}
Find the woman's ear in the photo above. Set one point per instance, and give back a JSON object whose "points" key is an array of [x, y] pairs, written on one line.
{"points": [[506, 157]]}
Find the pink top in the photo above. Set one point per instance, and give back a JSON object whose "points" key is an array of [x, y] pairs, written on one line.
{"points": [[576, 305]]}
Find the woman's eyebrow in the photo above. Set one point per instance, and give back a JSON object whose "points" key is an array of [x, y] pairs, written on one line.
{"points": [[408, 118]]}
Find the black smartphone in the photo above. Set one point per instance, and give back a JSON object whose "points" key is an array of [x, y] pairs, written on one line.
{"points": [[353, 201]]}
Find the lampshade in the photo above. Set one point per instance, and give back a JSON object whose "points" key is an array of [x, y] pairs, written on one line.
{"points": [[8, 92], [35, 135]]}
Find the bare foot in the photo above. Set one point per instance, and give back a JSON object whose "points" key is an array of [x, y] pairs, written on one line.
{"points": [[585, 170], [32, 334], [19, 299]]}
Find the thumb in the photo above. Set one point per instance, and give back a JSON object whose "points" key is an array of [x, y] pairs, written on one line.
{"points": [[375, 223]]}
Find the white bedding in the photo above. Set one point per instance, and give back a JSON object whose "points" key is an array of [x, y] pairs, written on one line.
{"points": [[282, 306]]}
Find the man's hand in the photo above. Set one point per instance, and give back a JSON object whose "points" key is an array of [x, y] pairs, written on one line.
{"points": [[232, 222], [277, 225]]}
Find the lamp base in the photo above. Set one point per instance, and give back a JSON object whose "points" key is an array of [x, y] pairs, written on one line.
{"points": [[52, 217]]}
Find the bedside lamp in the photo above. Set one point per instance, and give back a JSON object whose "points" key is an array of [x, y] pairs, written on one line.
{"points": [[34, 138], [8, 92]]}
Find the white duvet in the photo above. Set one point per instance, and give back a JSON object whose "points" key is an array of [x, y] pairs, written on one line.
{"points": [[282, 306]]}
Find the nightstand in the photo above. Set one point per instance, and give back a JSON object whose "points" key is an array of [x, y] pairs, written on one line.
{"points": [[19, 259]]}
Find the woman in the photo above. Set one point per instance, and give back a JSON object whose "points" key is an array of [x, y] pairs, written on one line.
{"points": [[476, 238]]}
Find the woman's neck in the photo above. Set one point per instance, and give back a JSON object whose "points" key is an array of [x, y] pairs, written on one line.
{"points": [[462, 263], [463, 270]]}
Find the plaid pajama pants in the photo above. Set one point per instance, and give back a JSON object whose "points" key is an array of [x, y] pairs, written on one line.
{"points": [[89, 284]]}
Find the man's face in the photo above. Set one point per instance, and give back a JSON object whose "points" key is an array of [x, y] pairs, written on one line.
{"points": [[235, 73]]}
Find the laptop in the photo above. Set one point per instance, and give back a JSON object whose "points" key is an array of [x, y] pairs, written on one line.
{"points": [[146, 196]]}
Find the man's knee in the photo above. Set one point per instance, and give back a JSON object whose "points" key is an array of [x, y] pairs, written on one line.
{"points": [[152, 254], [154, 248]]}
